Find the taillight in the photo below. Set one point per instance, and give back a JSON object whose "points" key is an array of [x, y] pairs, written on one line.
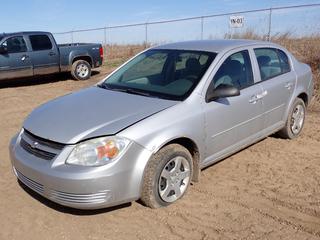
{"points": [[101, 52]]}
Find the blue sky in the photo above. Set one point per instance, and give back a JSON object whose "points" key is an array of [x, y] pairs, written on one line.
{"points": [[65, 15]]}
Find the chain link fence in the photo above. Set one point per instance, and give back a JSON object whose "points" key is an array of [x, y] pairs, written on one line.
{"points": [[297, 21]]}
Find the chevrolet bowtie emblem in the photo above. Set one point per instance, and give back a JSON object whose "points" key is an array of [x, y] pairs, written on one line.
{"points": [[34, 144]]}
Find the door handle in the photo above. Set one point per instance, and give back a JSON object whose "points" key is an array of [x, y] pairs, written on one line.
{"points": [[24, 57], [258, 97], [253, 99], [52, 54], [262, 95], [288, 85]]}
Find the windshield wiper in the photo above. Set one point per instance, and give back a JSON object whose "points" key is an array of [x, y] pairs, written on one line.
{"points": [[103, 86], [137, 92], [127, 90]]}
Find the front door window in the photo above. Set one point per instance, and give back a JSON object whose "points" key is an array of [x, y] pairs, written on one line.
{"points": [[15, 45], [236, 71]]}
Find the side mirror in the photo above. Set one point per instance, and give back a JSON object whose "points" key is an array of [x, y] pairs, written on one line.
{"points": [[222, 91], [3, 50]]}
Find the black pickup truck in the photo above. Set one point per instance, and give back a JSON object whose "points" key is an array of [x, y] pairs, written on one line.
{"points": [[27, 54]]}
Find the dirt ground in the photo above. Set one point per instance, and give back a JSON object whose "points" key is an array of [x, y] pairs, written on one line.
{"points": [[270, 190]]}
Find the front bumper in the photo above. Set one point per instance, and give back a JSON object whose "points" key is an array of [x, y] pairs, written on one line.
{"points": [[77, 186]]}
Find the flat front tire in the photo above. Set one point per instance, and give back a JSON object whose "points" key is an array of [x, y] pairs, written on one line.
{"points": [[81, 70], [167, 176], [295, 121]]}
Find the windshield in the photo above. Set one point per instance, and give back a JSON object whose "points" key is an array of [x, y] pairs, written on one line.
{"points": [[1, 37], [170, 74]]}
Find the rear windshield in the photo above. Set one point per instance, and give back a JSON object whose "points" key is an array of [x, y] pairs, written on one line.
{"points": [[171, 74]]}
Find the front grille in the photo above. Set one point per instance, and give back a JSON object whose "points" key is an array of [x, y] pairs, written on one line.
{"points": [[40, 147], [42, 141], [37, 187], [35, 151]]}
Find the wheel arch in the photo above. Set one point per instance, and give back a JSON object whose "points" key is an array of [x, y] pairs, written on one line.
{"points": [[299, 94], [304, 97], [83, 57], [192, 147]]}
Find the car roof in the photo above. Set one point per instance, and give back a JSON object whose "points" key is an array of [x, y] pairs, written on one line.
{"points": [[213, 45]]}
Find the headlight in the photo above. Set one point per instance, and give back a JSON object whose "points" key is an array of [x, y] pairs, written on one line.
{"points": [[98, 152]]}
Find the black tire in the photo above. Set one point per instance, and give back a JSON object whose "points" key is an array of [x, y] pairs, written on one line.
{"points": [[150, 195], [287, 132], [85, 75]]}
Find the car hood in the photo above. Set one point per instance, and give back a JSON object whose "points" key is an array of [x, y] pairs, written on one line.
{"points": [[90, 113]]}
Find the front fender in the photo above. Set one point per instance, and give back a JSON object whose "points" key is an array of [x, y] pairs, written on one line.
{"points": [[184, 120]]}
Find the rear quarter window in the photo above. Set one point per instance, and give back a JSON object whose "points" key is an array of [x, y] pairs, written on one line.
{"points": [[284, 61], [40, 42]]}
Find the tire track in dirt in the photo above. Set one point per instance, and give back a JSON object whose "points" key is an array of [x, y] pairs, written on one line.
{"points": [[279, 213]]}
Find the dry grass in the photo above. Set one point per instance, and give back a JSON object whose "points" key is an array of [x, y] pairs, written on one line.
{"points": [[305, 49], [122, 52]]}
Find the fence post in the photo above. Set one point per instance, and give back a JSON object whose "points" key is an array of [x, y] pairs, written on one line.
{"points": [[71, 37], [105, 42], [202, 19], [146, 35], [269, 25]]}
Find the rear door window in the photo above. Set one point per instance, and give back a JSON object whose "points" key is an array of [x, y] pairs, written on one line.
{"points": [[272, 62], [40, 42]]}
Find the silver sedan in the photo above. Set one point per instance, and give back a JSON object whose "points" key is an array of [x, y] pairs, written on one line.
{"points": [[146, 131]]}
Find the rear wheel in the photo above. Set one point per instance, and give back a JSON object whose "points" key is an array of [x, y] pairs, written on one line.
{"points": [[295, 121], [81, 70], [167, 176]]}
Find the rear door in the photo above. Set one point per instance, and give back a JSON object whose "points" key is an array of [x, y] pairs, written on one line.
{"points": [[45, 55], [278, 82], [236, 121], [16, 62]]}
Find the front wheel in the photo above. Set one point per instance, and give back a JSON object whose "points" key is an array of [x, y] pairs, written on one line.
{"points": [[81, 70], [295, 120], [167, 176]]}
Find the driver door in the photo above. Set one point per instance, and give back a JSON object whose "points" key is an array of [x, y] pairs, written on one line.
{"points": [[15, 62], [233, 122]]}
